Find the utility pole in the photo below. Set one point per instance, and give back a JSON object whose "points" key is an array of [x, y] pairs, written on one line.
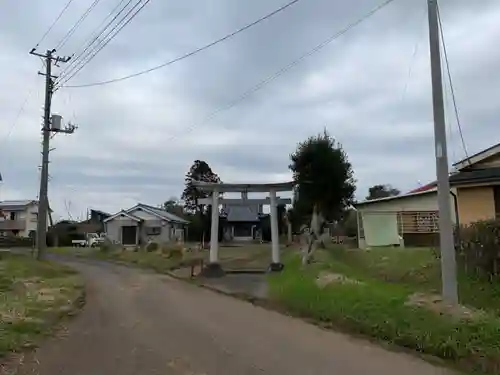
{"points": [[47, 129], [446, 241]]}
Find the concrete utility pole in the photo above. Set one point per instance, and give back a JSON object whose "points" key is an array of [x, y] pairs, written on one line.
{"points": [[43, 205], [446, 241]]}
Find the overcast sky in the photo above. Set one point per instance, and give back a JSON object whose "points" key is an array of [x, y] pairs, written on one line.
{"points": [[137, 138]]}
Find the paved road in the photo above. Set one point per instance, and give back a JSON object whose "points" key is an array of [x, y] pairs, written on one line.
{"points": [[136, 323]]}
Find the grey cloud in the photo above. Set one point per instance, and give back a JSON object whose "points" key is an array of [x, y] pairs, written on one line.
{"points": [[135, 142]]}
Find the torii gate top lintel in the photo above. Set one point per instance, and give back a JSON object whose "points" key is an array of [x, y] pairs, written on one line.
{"points": [[242, 187]]}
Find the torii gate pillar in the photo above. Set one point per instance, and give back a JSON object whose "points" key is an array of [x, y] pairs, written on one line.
{"points": [[213, 269], [214, 229], [276, 264]]}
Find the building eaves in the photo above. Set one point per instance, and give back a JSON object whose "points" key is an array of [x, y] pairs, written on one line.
{"points": [[393, 198], [476, 176], [162, 213], [123, 213]]}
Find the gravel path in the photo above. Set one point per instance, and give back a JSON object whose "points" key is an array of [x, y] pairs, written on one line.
{"points": [[137, 323]]}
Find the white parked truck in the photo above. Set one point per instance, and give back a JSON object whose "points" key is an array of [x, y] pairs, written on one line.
{"points": [[90, 240]]}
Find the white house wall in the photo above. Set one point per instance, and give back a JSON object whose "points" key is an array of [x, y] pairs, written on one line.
{"points": [[164, 236], [31, 217], [151, 221], [28, 218], [114, 227], [423, 202], [28, 214]]}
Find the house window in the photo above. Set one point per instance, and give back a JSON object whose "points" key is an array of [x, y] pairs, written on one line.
{"points": [[12, 216], [152, 231]]}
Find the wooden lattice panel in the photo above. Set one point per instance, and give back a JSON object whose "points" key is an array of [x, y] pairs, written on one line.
{"points": [[420, 222]]}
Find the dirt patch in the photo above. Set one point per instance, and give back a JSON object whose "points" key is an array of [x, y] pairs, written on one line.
{"points": [[436, 304], [12, 314], [48, 294], [326, 278]]}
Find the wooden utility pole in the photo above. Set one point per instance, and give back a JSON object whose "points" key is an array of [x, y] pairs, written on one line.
{"points": [[43, 204], [446, 242]]}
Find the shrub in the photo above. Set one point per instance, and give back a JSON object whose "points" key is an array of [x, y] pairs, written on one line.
{"points": [[172, 251], [176, 253], [164, 249], [478, 248], [106, 246], [152, 246]]}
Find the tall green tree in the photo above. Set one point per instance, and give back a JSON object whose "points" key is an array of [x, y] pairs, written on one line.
{"points": [[199, 171], [324, 181], [382, 191]]}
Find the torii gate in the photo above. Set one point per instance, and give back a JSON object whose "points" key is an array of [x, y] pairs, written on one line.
{"points": [[214, 268]]}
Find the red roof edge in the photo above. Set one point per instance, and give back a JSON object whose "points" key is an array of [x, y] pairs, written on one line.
{"points": [[421, 189]]}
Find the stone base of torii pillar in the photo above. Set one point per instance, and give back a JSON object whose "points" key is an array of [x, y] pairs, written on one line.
{"points": [[213, 268]]}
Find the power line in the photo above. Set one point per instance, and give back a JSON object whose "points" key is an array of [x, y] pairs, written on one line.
{"points": [[18, 116], [192, 53], [412, 62], [97, 40], [20, 111], [285, 69], [452, 89], [71, 31], [99, 48], [447, 118], [54, 23], [92, 39]]}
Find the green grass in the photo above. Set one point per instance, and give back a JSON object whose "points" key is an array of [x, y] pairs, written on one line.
{"points": [[33, 296], [377, 308], [418, 269], [76, 251]]}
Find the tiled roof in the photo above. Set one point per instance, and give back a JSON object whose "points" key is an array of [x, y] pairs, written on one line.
{"points": [[123, 213], [476, 176], [16, 203], [100, 212], [464, 177], [166, 215], [241, 213], [426, 187]]}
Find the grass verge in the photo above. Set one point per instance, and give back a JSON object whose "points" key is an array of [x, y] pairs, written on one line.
{"points": [[34, 296], [378, 309], [418, 269], [150, 260], [231, 258]]}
